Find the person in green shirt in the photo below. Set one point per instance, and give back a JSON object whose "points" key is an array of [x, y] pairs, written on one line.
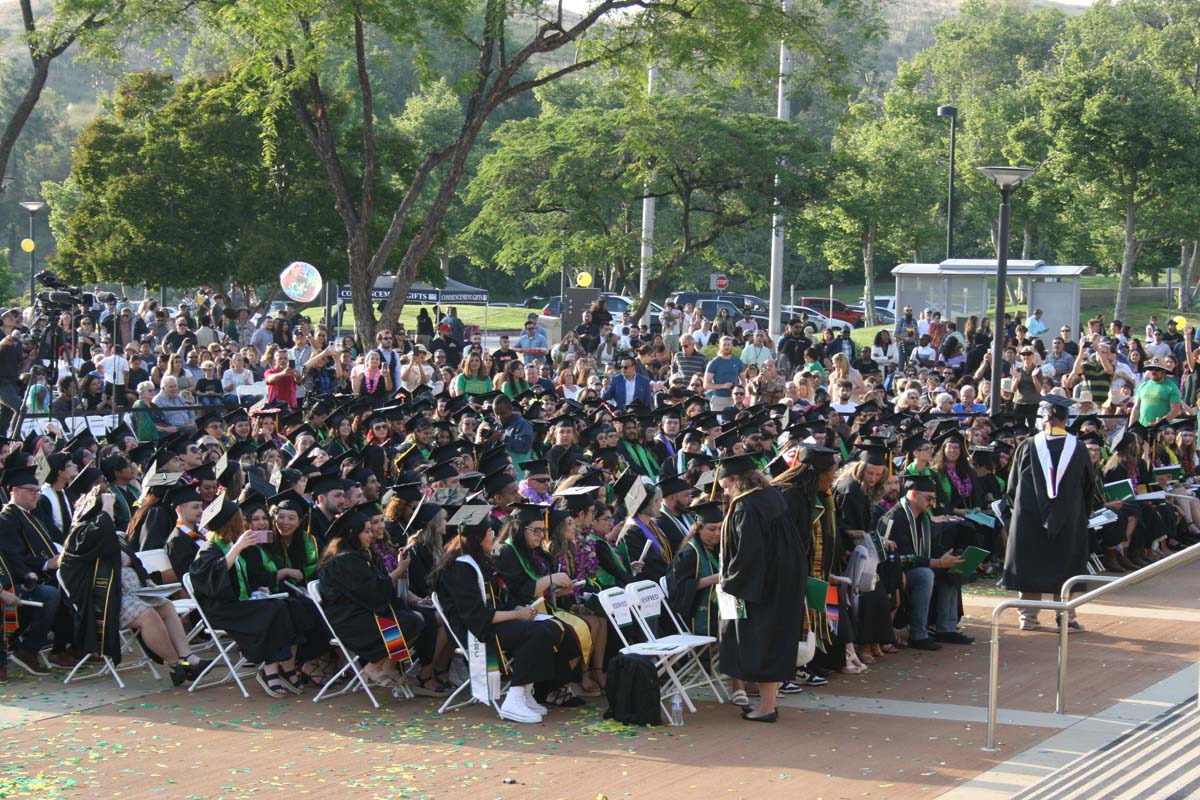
{"points": [[473, 379], [1157, 398]]}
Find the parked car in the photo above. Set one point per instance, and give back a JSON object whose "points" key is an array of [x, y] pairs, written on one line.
{"points": [[883, 302], [757, 304], [617, 305], [815, 317], [837, 309]]}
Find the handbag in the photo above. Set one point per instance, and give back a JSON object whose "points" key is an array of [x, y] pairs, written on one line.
{"points": [[807, 649]]}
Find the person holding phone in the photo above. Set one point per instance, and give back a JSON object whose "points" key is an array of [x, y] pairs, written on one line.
{"points": [[281, 380]]}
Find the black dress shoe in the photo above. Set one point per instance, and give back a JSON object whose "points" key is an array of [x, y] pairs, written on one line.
{"points": [[924, 644], [772, 717], [954, 637]]}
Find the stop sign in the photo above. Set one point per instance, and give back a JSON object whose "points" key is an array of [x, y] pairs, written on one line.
{"points": [[722, 283]]}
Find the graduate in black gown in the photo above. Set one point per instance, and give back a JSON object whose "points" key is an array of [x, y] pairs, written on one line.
{"points": [[228, 570], [641, 503], [536, 653], [1051, 488], [359, 596], [695, 571], [764, 569]]}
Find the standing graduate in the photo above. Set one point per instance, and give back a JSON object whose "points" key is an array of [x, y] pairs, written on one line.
{"points": [[696, 569], [764, 569], [1050, 490]]}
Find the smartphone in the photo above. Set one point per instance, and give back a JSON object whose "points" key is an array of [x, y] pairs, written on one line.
{"points": [[291, 363], [265, 537]]}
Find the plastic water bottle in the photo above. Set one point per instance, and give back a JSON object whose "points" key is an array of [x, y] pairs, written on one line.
{"points": [[676, 712]]}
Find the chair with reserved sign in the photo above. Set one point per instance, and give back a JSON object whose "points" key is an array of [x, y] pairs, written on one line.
{"points": [[157, 561], [494, 700], [615, 603], [681, 627], [647, 600]]}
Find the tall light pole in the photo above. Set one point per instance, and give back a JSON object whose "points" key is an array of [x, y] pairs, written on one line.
{"points": [[783, 111], [33, 207], [1007, 179], [952, 113], [647, 254]]}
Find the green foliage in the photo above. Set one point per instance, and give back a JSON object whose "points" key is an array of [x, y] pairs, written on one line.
{"points": [[170, 190]]}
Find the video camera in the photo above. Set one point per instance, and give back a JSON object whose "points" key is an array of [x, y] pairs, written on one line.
{"points": [[61, 298]]}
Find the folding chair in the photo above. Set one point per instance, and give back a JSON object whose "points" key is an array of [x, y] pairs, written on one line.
{"points": [[682, 628], [129, 644], [462, 651], [223, 651], [615, 603], [157, 561], [357, 680], [646, 600]]}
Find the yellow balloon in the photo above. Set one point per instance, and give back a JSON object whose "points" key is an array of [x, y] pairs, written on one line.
{"points": [[1181, 321], [27, 245], [584, 279]]}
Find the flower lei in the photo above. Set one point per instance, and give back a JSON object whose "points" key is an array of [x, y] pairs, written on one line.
{"points": [[371, 386], [387, 555], [961, 485]]}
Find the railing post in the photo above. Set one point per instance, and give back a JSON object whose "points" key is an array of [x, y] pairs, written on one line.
{"points": [[1060, 704], [993, 680]]}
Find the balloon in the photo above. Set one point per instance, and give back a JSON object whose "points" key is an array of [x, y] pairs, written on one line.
{"points": [[27, 245], [300, 282], [1181, 321], [584, 279]]}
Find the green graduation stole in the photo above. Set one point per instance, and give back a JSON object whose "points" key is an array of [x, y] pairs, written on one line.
{"points": [[640, 457], [706, 565], [243, 576]]}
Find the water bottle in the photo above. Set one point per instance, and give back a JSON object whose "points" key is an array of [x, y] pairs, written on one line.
{"points": [[676, 712]]}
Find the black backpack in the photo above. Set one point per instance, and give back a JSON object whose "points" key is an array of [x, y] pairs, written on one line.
{"points": [[633, 696]]}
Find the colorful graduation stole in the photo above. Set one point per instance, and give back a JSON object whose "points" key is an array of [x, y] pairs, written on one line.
{"points": [[831, 607], [393, 639]]}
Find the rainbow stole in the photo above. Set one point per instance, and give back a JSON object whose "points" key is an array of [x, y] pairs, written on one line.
{"points": [[831, 607], [11, 620], [393, 639]]}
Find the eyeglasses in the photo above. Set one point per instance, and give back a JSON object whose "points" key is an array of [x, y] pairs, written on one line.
{"points": [[538, 529]]}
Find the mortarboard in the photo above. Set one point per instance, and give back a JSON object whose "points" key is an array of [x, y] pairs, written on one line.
{"points": [[219, 512]]}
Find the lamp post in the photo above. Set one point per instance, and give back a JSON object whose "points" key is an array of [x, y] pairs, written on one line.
{"points": [[1007, 179], [952, 113], [33, 207]]}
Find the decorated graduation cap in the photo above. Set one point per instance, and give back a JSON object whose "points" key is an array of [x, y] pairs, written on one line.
{"points": [[633, 490], [470, 518], [219, 512], [707, 512]]}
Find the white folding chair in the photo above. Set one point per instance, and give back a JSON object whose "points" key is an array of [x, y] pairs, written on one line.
{"points": [[356, 680], [647, 600], [254, 390], [615, 603], [129, 644], [223, 651], [681, 627], [465, 686]]}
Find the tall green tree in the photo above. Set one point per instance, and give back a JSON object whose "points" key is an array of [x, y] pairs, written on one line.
{"points": [[169, 188], [516, 46], [563, 191]]}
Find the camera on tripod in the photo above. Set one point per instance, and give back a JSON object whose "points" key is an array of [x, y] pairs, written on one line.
{"points": [[61, 297]]}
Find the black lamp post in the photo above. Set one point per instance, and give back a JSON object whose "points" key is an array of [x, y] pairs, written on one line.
{"points": [[952, 113], [1007, 179], [33, 207]]}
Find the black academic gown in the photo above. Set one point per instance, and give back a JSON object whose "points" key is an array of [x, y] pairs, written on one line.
{"points": [[675, 531], [562, 459], [25, 542], [182, 548], [154, 528], [91, 571], [1047, 538], [318, 527], [355, 589], [872, 620], [263, 629], [695, 606], [632, 541], [764, 567]]}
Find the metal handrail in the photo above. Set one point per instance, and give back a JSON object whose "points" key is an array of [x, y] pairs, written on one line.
{"points": [[1062, 607]]}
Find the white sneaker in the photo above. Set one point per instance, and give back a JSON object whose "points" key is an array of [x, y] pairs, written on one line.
{"points": [[514, 709], [1030, 624], [534, 705]]}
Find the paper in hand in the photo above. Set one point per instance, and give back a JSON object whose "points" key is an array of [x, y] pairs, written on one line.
{"points": [[645, 551]]}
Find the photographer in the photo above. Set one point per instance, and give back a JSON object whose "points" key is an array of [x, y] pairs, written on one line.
{"points": [[13, 360]]}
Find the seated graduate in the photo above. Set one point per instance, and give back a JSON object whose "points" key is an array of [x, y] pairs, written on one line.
{"points": [[642, 500], [293, 551], [695, 570], [536, 653], [103, 577], [359, 597], [185, 541], [600, 561], [562, 546], [230, 576], [416, 562]]}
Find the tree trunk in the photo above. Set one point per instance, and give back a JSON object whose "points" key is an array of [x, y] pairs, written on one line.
{"points": [[1128, 257], [1026, 243], [869, 274], [361, 285], [20, 116]]}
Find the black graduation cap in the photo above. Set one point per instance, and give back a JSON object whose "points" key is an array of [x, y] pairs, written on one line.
{"points": [[1091, 437], [495, 482], [703, 459], [471, 480], [707, 512], [913, 443], [875, 454], [290, 419], [239, 449], [673, 484], [417, 422], [536, 466], [115, 436], [181, 493], [735, 465], [236, 416], [142, 453], [80, 441], [204, 472], [410, 492], [1184, 424], [441, 471], [480, 399], [526, 512], [1059, 406], [727, 440], [325, 483], [31, 440], [21, 476], [208, 419], [777, 466], [351, 521], [584, 497], [818, 456], [295, 433], [225, 469], [219, 512], [705, 420], [950, 434], [918, 483], [289, 500], [423, 516]]}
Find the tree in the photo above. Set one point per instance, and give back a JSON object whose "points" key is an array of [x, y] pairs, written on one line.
{"points": [[517, 47], [1124, 135], [171, 183], [563, 191]]}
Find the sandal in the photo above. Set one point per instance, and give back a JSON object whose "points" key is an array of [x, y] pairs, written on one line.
{"points": [[740, 698], [380, 678], [271, 684], [598, 678], [315, 672], [430, 686], [890, 648], [291, 681]]}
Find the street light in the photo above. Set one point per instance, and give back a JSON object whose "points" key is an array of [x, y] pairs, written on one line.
{"points": [[952, 113], [33, 207], [1007, 179]]}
